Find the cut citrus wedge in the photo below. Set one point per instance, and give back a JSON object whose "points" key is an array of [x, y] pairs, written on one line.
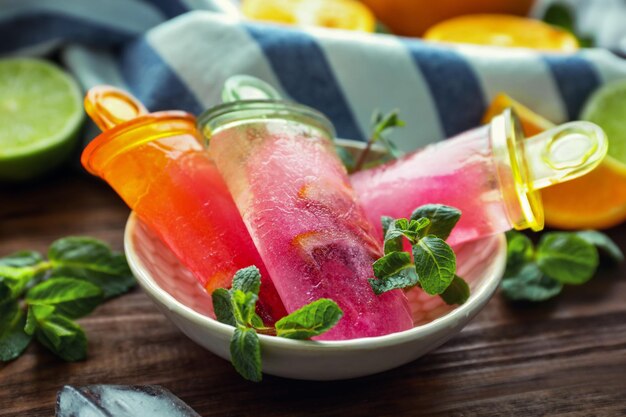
{"points": [[337, 14], [607, 108], [503, 30], [596, 200], [40, 115]]}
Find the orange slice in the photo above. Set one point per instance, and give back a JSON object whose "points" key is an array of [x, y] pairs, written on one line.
{"points": [[503, 30], [337, 14], [594, 201]]}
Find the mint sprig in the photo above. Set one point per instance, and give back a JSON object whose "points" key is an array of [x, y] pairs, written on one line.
{"points": [[40, 298], [561, 258], [382, 124], [236, 307], [434, 263]]}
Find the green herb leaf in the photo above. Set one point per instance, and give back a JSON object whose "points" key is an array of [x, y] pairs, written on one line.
{"points": [[71, 297], [21, 259], [247, 280], [383, 122], [405, 278], [41, 312], [457, 292], [560, 15], [9, 288], [311, 320], [567, 258], [85, 252], [245, 354], [93, 261], [394, 271], [63, 337], [257, 321], [442, 219], [530, 284], [391, 264], [13, 338], [31, 322], [386, 222], [346, 158], [412, 230], [244, 304], [519, 250], [222, 306], [603, 243], [435, 263], [111, 285]]}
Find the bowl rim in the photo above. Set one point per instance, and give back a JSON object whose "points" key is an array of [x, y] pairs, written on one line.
{"points": [[474, 303]]}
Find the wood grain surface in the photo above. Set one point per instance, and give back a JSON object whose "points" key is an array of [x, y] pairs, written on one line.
{"points": [[564, 357]]}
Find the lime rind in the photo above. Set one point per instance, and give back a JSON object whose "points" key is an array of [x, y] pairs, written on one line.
{"points": [[40, 117], [607, 108]]}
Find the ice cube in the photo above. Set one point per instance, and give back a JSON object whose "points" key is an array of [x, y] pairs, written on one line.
{"points": [[120, 401]]}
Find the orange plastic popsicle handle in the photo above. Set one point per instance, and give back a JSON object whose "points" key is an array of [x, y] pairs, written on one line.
{"points": [[109, 106]]}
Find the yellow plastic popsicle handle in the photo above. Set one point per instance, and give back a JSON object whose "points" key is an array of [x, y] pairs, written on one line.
{"points": [[563, 153], [109, 106]]}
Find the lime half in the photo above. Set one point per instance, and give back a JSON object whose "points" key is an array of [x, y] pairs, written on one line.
{"points": [[607, 108], [40, 115]]}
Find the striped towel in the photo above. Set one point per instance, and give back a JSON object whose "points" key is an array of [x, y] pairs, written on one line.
{"points": [[182, 62]]}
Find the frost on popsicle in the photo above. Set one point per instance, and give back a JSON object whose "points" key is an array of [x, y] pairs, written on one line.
{"points": [[434, 263]]}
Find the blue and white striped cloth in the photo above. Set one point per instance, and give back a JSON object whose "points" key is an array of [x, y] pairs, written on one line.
{"points": [[174, 59]]}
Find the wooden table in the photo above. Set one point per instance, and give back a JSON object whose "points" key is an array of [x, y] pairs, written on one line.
{"points": [[564, 357]]}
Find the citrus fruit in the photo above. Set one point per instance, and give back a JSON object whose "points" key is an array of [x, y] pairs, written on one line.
{"points": [[337, 14], [532, 123], [596, 200], [503, 30], [40, 115], [607, 108], [413, 17]]}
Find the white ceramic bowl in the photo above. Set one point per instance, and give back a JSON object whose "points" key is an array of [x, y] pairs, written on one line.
{"points": [[179, 296]]}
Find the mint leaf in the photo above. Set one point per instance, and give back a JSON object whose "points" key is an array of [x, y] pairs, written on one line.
{"points": [[71, 297], [93, 261], [13, 339], [245, 353], [442, 219], [386, 222], [530, 284], [567, 258], [457, 292], [405, 278], [412, 230], [346, 158], [62, 336], [31, 322], [87, 253], [435, 263], [391, 264], [393, 271], [311, 320], [256, 321], [21, 259], [519, 250], [111, 285], [558, 14], [393, 235], [603, 243], [222, 306], [244, 304], [247, 280], [383, 122]]}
